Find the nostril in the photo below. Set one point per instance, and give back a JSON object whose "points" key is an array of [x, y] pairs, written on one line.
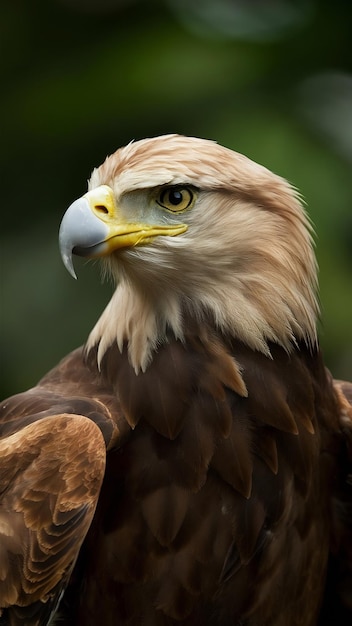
{"points": [[101, 208]]}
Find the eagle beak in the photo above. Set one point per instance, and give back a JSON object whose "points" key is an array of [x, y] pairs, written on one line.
{"points": [[93, 226]]}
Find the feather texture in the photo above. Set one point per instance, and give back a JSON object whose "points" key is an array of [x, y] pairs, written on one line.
{"points": [[51, 473], [192, 463]]}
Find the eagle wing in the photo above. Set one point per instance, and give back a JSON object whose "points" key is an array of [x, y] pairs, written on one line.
{"points": [[344, 394], [52, 464], [338, 597]]}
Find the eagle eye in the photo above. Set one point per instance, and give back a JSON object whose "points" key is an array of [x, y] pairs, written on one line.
{"points": [[175, 198]]}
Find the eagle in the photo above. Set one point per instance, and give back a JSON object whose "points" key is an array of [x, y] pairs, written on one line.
{"points": [[191, 463]]}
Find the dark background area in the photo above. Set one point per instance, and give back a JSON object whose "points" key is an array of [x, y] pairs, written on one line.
{"points": [[79, 78]]}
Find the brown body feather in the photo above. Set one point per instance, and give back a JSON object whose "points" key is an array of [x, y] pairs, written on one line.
{"points": [[157, 552], [192, 464]]}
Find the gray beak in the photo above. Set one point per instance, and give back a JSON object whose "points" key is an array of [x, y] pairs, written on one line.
{"points": [[81, 233]]}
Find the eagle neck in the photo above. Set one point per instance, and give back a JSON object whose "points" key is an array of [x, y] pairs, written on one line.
{"points": [[139, 319]]}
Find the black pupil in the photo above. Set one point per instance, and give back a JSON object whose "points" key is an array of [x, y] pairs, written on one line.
{"points": [[175, 197]]}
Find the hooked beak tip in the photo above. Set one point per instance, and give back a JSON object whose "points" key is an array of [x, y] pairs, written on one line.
{"points": [[67, 261]]}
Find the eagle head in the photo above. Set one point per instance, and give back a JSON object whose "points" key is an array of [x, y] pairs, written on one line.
{"points": [[192, 230]]}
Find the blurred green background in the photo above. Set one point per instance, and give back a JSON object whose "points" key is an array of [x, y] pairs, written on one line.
{"points": [[271, 79]]}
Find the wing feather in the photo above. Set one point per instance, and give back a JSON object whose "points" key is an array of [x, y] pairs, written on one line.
{"points": [[50, 477], [338, 596]]}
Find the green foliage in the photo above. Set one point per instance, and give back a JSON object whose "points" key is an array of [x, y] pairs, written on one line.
{"points": [[81, 78]]}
